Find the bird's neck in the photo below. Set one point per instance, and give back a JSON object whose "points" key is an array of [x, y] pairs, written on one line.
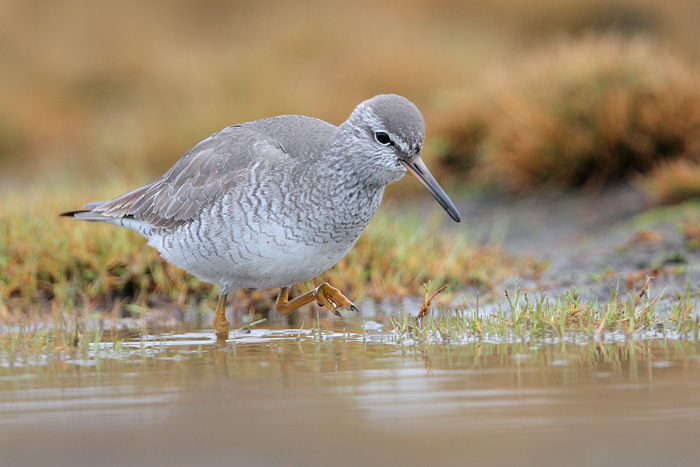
{"points": [[349, 165]]}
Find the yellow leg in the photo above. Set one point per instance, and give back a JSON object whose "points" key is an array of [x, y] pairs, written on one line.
{"points": [[220, 322], [324, 294]]}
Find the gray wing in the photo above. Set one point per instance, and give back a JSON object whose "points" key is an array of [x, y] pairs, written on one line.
{"points": [[214, 166]]}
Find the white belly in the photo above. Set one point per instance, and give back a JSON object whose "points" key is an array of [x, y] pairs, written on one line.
{"points": [[266, 240], [244, 259]]}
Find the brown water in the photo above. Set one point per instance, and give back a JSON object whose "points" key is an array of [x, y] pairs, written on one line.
{"points": [[281, 397]]}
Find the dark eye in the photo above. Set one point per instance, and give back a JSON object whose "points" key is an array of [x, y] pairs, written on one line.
{"points": [[382, 138]]}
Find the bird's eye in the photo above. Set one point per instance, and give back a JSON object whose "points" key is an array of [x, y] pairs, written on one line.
{"points": [[383, 138]]}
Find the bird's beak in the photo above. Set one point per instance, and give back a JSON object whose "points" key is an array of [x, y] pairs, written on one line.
{"points": [[417, 168]]}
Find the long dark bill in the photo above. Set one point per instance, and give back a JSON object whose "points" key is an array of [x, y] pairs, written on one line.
{"points": [[417, 168]]}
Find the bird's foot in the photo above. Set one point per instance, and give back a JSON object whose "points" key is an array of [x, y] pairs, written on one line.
{"points": [[221, 324], [330, 297], [324, 294]]}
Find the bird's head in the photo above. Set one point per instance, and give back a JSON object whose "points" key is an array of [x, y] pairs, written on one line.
{"points": [[389, 131]]}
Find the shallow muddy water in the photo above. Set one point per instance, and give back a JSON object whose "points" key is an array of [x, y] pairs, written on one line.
{"points": [[351, 396]]}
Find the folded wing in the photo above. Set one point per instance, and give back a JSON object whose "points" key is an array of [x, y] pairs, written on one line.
{"points": [[206, 172]]}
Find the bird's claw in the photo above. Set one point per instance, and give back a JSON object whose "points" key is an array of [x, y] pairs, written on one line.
{"points": [[331, 297]]}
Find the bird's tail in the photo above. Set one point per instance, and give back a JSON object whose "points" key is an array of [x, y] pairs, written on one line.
{"points": [[71, 213], [127, 221], [84, 213]]}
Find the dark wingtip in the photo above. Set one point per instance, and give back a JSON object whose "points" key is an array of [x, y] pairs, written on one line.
{"points": [[71, 213]]}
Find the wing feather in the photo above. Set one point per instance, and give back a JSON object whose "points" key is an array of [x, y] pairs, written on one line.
{"points": [[205, 173]]}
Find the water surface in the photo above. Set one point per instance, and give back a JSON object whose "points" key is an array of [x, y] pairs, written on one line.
{"points": [[342, 397]]}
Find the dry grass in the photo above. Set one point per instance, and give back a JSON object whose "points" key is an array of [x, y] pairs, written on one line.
{"points": [[583, 112], [47, 261], [673, 181]]}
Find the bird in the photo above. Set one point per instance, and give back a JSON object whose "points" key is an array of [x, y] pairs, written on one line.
{"points": [[275, 202]]}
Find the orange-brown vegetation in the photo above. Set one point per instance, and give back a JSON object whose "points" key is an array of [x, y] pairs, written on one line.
{"points": [[582, 112]]}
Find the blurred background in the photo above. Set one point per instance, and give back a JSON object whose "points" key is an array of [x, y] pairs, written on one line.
{"points": [[523, 94]]}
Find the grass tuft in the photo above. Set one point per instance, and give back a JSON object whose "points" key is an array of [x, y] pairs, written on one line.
{"points": [[673, 181], [570, 317], [581, 112]]}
